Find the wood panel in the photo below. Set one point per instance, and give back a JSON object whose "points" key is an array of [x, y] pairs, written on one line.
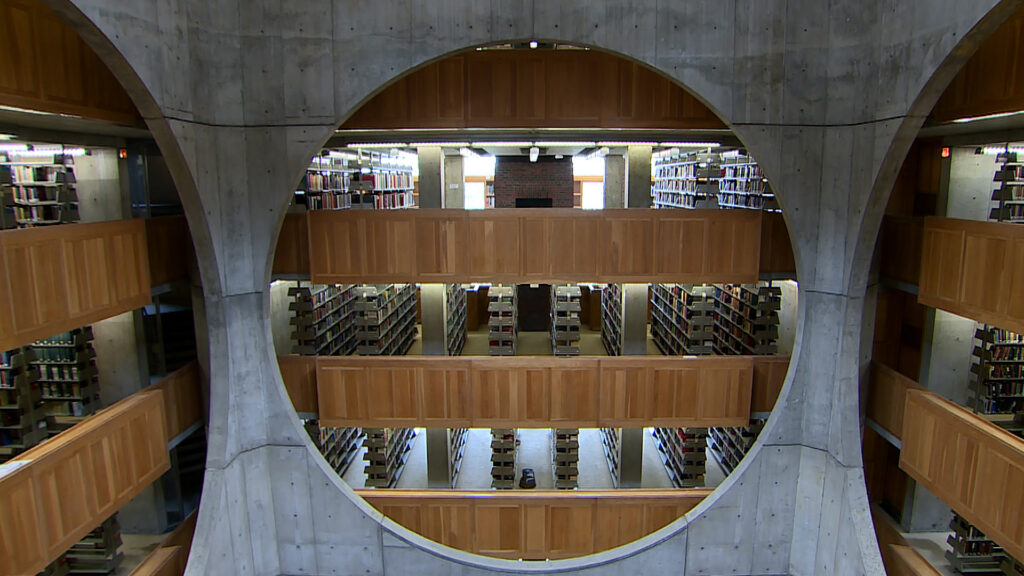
{"points": [[45, 65], [887, 397], [988, 83], [299, 375], [58, 278], [901, 242], [533, 89], [769, 377], [169, 246], [72, 483], [170, 557], [183, 398], [540, 245], [777, 257], [971, 464], [292, 254], [973, 269], [534, 525], [897, 555], [536, 392]]}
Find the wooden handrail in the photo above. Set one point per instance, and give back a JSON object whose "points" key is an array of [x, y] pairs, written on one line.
{"points": [[451, 380], [534, 525], [899, 557], [169, 246], [69, 485], [170, 557], [972, 465], [57, 278]]}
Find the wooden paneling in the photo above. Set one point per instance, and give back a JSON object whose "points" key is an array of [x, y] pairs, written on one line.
{"points": [[292, 254], [541, 245], [58, 278], [45, 65], [536, 392], [973, 269], [299, 375], [887, 397], [169, 558], [989, 82], [76, 480], [971, 464], [533, 89], [901, 245], [169, 247], [534, 525], [769, 377], [183, 399], [897, 555], [776, 246]]}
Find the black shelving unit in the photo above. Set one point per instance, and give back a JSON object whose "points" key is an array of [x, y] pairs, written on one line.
{"points": [[565, 320]]}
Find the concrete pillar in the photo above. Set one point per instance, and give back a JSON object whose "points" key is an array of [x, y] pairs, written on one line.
{"points": [[431, 193], [454, 184], [614, 181], [280, 316], [438, 459], [432, 306], [638, 179], [634, 343]]}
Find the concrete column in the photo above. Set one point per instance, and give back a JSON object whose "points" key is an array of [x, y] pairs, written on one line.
{"points": [[634, 343], [454, 184], [638, 179], [432, 306], [438, 459], [614, 181], [431, 193]]}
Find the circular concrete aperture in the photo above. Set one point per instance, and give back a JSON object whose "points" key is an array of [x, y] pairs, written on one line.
{"points": [[487, 99]]}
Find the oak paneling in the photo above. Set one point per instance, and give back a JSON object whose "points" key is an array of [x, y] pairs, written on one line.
{"points": [[901, 242], [78, 479], [162, 562], [299, 375], [183, 398], [887, 397], [58, 278], [169, 246], [533, 89], [538, 392], [45, 65], [777, 255], [989, 82], [534, 525], [292, 253], [971, 464], [769, 377], [973, 269], [543, 245]]}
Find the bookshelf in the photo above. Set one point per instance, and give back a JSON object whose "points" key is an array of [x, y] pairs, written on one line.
{"points": [[747, 318], [338, 445], [684, 452], [387, 450], [611, 319], [502, 322], [685, 179], [1012, 567], [322, 320], [611, 442], [385, 318], [41, 193], [503, 458], [99, 552], [22, 420], [68, 382], [997, 372], [363, 180], [970, 551], [683, 319], [456, 309], [6, 200], [457, 438], [326, 183], [742, 184], [565, 448], [1009, 194], [565, 320], [730, 445]]}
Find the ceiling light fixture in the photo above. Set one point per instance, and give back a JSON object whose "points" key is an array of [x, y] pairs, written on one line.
{"points": [[616, 144], [564, 144], [533, 44], [441, 144], [13, 147], [534, 154], [692, 144], [502, 144], [997, 150], [987, 117], [369, 145]]}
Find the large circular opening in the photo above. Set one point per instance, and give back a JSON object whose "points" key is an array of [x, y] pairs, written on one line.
{"points": [[505, 415]]}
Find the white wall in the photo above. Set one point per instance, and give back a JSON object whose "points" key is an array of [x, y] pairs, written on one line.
{"points": [[787, 316]]}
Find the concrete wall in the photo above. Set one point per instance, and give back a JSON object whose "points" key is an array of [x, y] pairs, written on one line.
{"points": [[99, 187], [788, 316], [280, 316], [827, 97], [970, 184]]}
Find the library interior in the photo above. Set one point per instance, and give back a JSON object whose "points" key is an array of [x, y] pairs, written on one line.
{"points": [[706, 288]]}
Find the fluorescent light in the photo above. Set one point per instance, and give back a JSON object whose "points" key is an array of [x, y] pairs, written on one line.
{"points": [[627, 144], [692, 144], [442, 144], [731, 154], [342, 155], [534, 154], [990, 150], [502, 144], [533, 44], [377, 145], [13, 147], [987, 117], [44, 151], [6, 136], [564, 144]]}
